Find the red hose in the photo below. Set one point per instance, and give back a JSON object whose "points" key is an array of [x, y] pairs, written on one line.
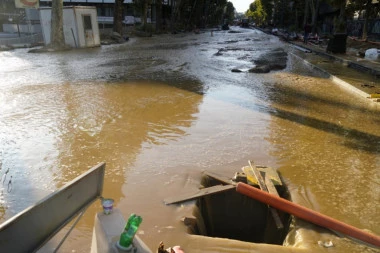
{"points": [[307, 214]]}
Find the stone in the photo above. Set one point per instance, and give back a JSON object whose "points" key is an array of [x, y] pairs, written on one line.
{"points": [[260, 69], [274, 60], [372, 54]]}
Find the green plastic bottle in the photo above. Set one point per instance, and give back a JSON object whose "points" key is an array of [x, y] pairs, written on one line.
{"points": [[126, 238], [130, 219]]}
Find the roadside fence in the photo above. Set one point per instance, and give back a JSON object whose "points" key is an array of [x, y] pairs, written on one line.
{"points": [[23, 39]]}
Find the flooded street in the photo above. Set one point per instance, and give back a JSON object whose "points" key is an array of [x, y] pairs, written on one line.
{"points": [[161, 110]]}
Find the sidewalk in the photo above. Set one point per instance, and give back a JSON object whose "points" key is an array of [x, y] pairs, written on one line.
{"points": [[368, 88], [350, 58]]}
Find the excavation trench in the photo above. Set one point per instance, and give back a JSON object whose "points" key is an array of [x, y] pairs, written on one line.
{"points": [[232, 215]]}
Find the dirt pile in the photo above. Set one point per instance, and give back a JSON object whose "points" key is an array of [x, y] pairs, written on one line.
{"points": [[361, 45]]}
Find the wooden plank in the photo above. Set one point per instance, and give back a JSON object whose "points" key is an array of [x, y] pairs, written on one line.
{"points": [[272, 173], [251, 179], [263, 187], [221, 178], [271, 188], [199, 193], [259, 178], [375, 95], [269, 172]]}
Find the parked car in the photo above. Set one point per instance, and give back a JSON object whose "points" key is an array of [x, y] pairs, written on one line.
{"points": [[244, 22]]}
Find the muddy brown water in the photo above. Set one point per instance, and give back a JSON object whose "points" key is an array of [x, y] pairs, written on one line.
{"points": [[161, 110]]}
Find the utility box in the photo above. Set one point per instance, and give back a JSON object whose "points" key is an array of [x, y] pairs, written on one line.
{"points": [[80, 26], [337, 44]]}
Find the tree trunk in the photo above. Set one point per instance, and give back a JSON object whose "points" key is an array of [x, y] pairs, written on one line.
{"points": [[145, 12], [57, 39], [315, 9], [342, 18], [306, 14], [118, 17], [367, 13], [189, 22], [175, 9], [158, 16]]}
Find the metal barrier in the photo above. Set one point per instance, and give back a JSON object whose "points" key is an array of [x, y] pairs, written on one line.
{"points": [[33, 227], [24, 39]]}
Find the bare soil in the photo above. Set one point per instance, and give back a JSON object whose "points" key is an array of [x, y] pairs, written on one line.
{"points": [[361, 45]]}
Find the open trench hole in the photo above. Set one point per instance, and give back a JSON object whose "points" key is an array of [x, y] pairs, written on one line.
{"points": [[232, 215]]}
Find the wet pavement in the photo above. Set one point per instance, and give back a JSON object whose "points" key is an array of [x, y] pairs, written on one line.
{"points": [[351, 58], [161, 110], [357, 73]]}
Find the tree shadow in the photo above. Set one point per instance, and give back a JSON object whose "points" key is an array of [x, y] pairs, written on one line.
{"points": [[355, 139], [288, 97]]}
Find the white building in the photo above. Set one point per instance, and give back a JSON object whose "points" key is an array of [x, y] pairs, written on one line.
{"points": [[80, 26]]}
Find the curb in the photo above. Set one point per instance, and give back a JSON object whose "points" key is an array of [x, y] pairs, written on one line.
{"points": [[350, 64]]}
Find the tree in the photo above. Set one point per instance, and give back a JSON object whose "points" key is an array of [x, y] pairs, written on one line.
{"points": [[158, 16], [340, 22], [141, 6], [229, 12], [257, 12], [145, 12], [118, 17], [298, 7], [361, 6], [268, 6], [367, 16], [306, 13], [57, 39], [314, 4], [187, 14]]}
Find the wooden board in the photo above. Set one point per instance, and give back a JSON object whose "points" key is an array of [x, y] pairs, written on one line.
{"points": [[269, 172], [264, 187], [221, 178], [199, 193], [271, 187]]}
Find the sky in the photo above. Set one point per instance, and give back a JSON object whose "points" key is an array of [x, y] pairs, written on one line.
{"points": [[241, 5]]}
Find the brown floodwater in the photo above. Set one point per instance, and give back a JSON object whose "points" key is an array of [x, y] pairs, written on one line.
{"points": [[161, 110]]}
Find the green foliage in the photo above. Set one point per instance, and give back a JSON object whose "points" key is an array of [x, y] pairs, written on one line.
{"points": [[229, 12], [257, 12], [354, 6], [289, 14]]}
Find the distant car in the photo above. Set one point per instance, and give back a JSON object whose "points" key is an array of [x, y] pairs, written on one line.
{"points": [[225, 25], [244, 22]]}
